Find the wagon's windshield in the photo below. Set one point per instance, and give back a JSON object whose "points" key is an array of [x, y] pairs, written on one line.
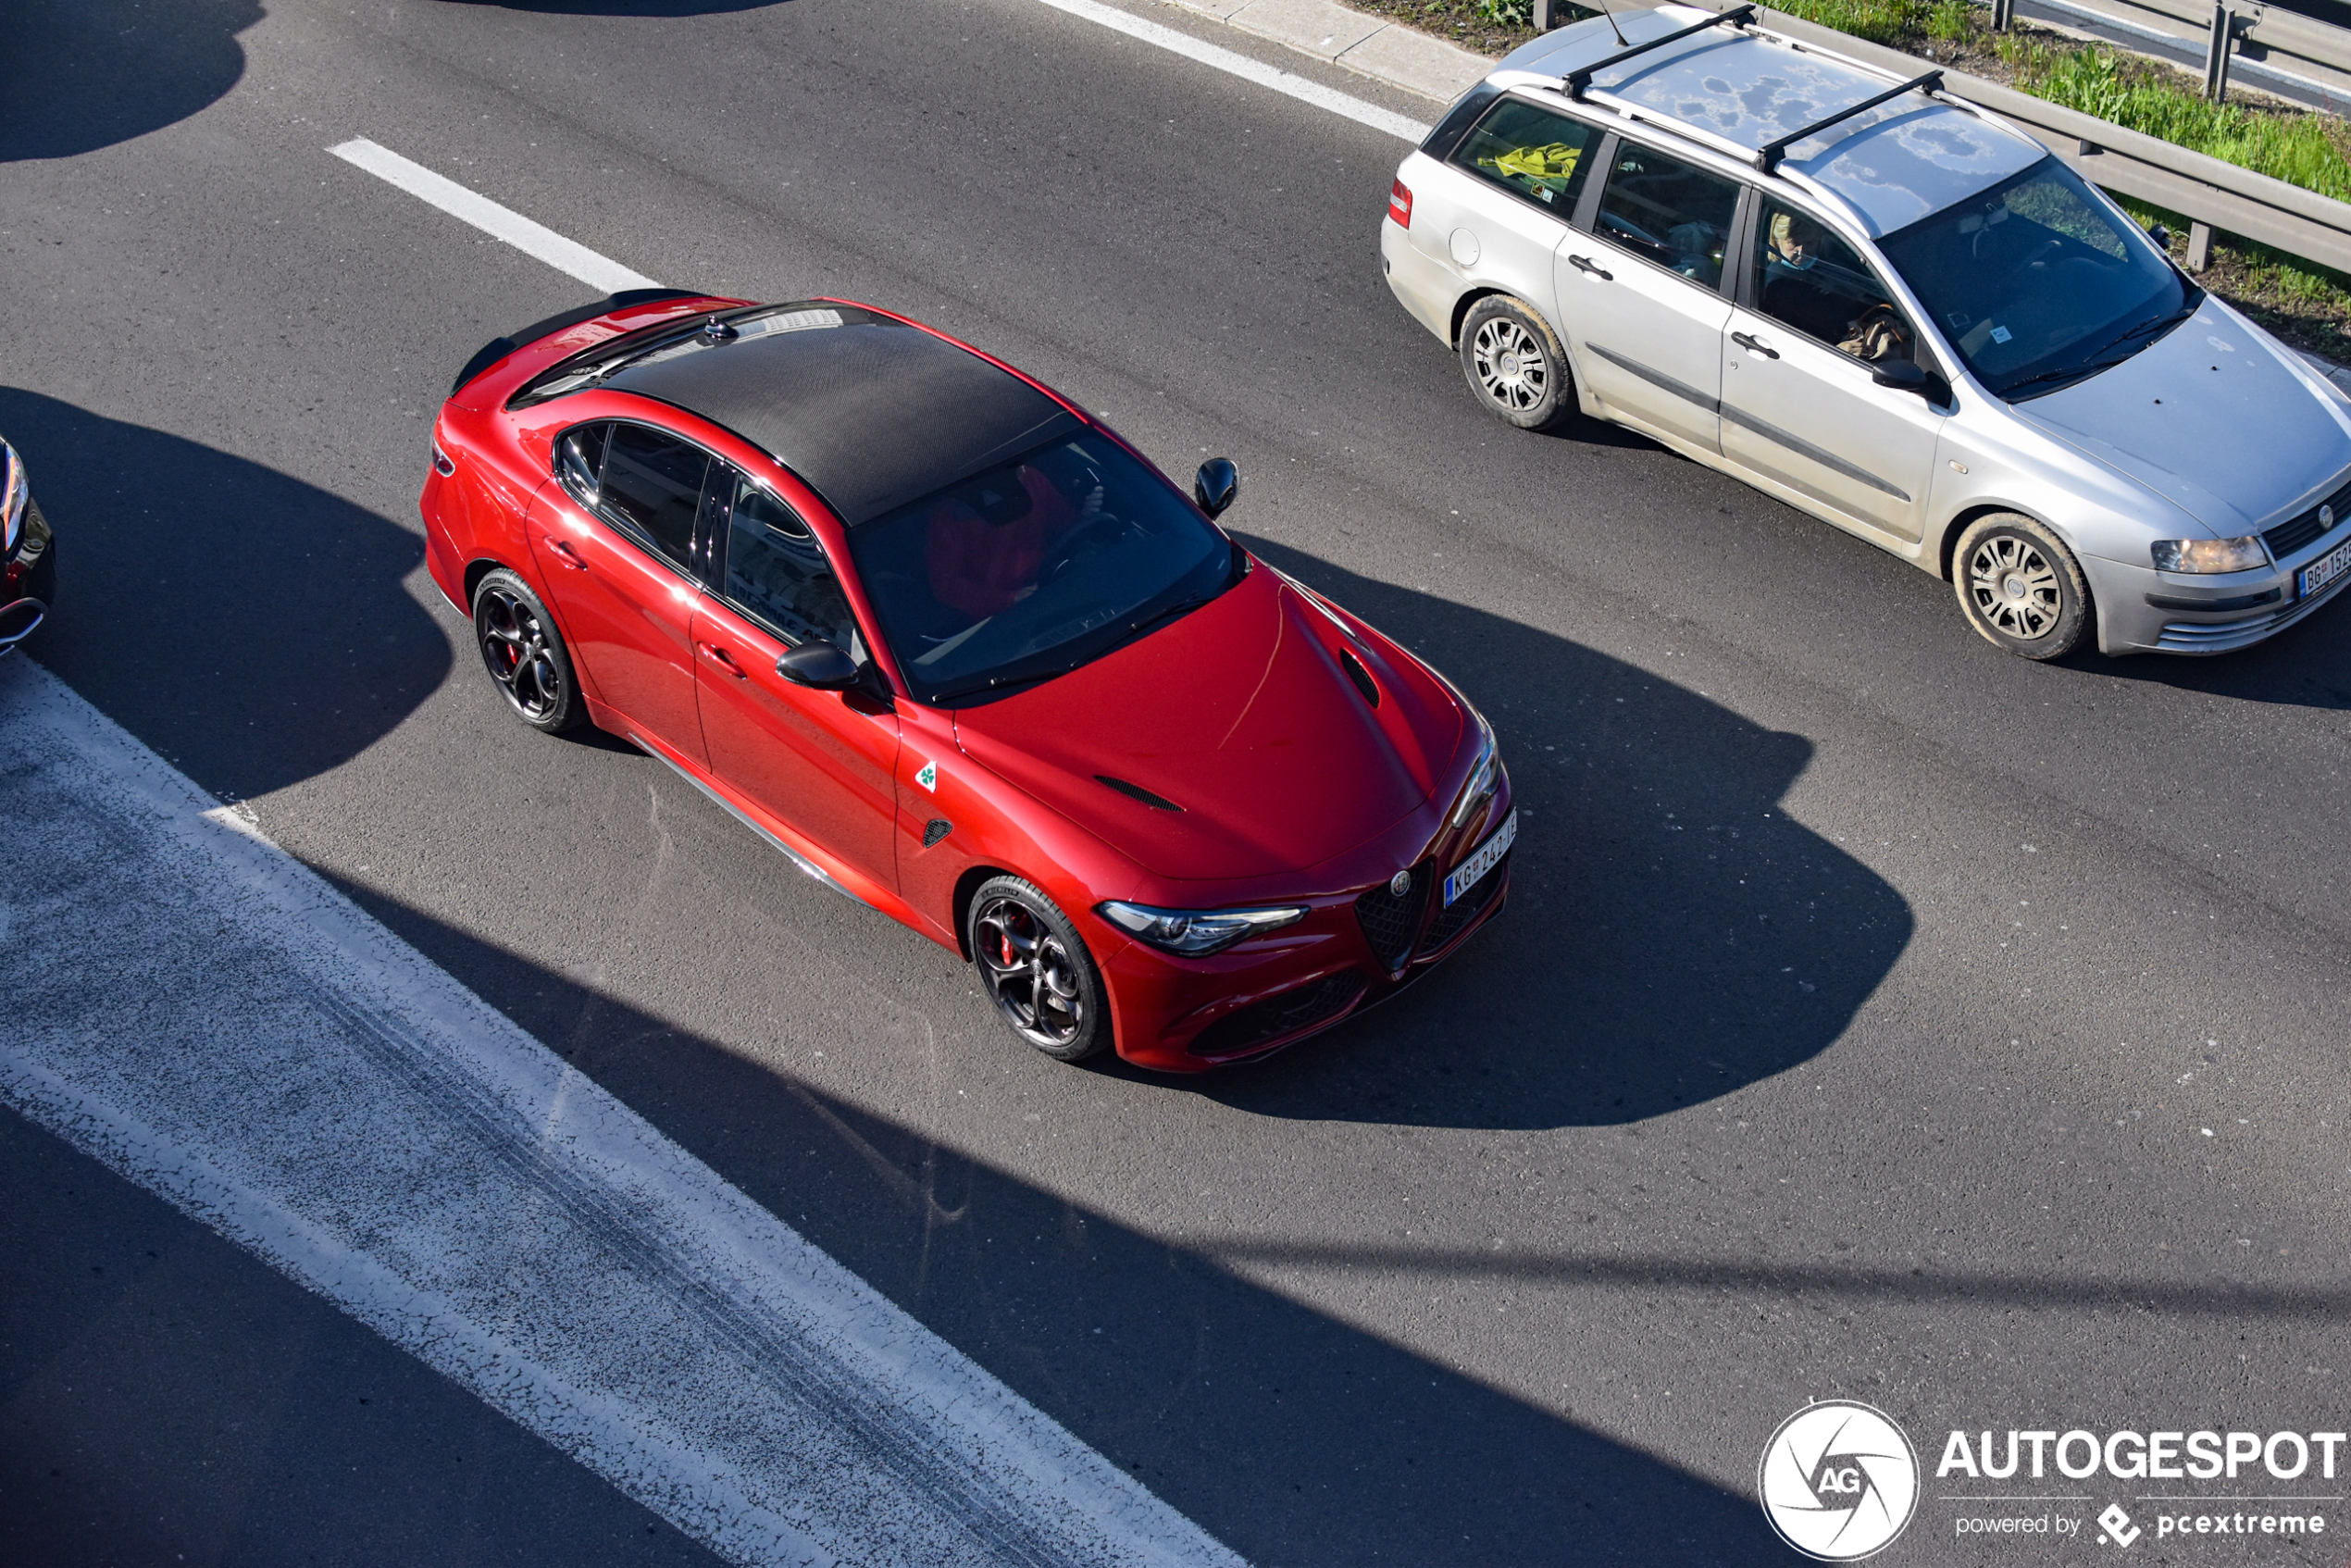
{"points": [[2038, 284], [1028, 570]]}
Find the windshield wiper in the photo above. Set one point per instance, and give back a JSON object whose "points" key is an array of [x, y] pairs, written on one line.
{"points": [[2070, 373], [1149, 623], [997, 684], [2153, 324]]}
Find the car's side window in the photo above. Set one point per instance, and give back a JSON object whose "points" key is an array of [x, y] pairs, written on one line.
{"points": [[649, 484], [1543, 156], [579, 455], [1669, 212], [777, 574], [1809, 279]]}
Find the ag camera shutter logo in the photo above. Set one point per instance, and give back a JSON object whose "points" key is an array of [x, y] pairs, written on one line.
{"points": [[1839, 1481]]}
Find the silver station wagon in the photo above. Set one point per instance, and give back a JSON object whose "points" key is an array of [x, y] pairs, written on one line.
{"points": [[1885, 307]]}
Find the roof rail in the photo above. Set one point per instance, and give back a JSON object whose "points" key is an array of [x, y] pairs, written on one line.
{"points": [[1768, 155], [1581, 76]]}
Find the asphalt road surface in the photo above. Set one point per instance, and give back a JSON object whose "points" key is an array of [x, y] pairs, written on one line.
{"points": [[1876, 1015]]}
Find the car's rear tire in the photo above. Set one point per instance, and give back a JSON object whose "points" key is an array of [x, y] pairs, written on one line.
{"points": [[1515, 365], [525, 653], [1035, 969], [2021, 586]]}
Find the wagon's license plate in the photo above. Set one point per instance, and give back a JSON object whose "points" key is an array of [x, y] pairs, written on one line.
{"points": [[1497, 844], [2325, 569]]}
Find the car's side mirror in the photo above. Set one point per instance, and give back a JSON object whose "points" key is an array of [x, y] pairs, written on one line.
{"points": [[1902, 375], [1216, 485], [2160, 235], [819, 666]]}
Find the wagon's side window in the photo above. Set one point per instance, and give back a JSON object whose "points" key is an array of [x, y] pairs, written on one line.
{"points": [[1669, 212], [1809, 279], [1541, 156]]}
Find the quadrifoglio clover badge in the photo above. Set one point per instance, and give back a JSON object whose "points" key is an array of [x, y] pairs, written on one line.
{"points": [[1839, 1481]]}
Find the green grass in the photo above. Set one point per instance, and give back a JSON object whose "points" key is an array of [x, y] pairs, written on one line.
{"points": [[1891, 22], [2301, 149]]}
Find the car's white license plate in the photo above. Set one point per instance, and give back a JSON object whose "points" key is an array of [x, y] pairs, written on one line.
{"points": [[1481, 861], [2325, 569]]}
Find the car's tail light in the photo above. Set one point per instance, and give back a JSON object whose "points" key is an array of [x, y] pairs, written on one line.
{"points": [[1400, 204]]}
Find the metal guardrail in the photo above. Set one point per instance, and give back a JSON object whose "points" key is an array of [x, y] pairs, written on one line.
{"points": [[2211, 195], [2300, 48]]}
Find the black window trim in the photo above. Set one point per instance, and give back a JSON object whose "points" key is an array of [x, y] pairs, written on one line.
{"points": [[1597, 146]]}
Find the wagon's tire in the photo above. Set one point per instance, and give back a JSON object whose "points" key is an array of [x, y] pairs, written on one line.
{"points": [[525, 653], [1036, 970], [2021, 586], [1515, 365]]}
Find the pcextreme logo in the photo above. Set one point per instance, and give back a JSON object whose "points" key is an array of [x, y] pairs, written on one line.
{"points": [[1839, 1481]]}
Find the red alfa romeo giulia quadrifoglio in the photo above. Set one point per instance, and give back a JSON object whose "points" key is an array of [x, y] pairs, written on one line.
{"points": [[962, 653]]}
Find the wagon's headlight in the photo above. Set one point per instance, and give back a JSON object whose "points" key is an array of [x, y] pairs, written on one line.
{"points": [[2209, 554], [19, 492], [1196, 933], [1480, 779]]}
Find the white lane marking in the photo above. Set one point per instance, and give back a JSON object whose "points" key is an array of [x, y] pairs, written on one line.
{"points": [[504, 223], [1239, 65], [205, 1015]]}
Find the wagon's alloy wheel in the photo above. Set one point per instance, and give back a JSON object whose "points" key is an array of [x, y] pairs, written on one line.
{"points": [[515, 642], [1512, 365], [2015, 587], [2021, 586], [525, 653], [1035, 969]]}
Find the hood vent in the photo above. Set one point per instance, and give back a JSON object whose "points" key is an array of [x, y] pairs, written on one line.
{"points": [[1136, 793], [1360, 676]]}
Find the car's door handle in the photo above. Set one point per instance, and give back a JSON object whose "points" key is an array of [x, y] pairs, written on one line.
{"points": [[722, 658], [1587, 264], [566, 554], [1755, 345]]}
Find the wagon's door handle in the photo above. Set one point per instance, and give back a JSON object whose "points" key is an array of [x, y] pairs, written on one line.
{"points": [[722, 658], [1755, 345], [1586, 265], [566, 554]]}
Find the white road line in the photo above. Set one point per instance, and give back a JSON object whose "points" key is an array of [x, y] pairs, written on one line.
{"points": [[1239, 65], [198, 1011], [503, 223]]}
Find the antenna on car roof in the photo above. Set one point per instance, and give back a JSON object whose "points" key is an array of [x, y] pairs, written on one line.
{"points": [[1612, 22]]}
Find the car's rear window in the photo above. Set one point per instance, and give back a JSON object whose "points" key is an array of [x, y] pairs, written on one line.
{"points": [[1543, 156]]}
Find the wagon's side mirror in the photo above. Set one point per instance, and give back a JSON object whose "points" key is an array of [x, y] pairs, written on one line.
{"points": [[819, 666], [2160, 234], [1216, 485]]}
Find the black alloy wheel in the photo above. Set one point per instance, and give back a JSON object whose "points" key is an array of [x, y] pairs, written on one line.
{"points": [[525, 653], [1515, 365], [1037, 970], [2021, 586]]}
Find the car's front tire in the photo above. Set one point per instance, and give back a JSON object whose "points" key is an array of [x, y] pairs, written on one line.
{"points": [[1515, 365], [1035, 969], [2021, 586], [525, 653]]}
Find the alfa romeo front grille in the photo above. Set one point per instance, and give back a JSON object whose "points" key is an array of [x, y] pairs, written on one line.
{"points": [[1389, 921]]}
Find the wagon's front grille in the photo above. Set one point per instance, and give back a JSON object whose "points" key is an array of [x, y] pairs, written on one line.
{"points": [[2297, 531], [1277, 1016], [1391, 922]]}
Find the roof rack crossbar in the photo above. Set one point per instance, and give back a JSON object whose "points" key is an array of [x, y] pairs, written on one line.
{"points": [[1581, 76], [1768, 155]]}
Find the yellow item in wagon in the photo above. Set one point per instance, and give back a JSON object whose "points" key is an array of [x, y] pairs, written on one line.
{"points": [[1553, 166]]}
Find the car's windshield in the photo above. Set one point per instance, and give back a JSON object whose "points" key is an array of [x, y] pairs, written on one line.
{"points": [[1031, 569], [2037, 283]]}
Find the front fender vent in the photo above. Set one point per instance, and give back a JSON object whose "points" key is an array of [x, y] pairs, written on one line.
{"points": [[1136, 793], [1360, 676]]}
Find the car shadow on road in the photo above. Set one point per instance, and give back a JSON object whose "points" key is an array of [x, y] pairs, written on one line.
{"points": [[249, 626], [2307, 665], [1288, 1434], [86, 74], [1671, 934]]}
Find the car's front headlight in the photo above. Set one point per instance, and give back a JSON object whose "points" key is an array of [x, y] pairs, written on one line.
{"points": [[2241, 555], [1480, 779], [1196, 933], [20, 490]]}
